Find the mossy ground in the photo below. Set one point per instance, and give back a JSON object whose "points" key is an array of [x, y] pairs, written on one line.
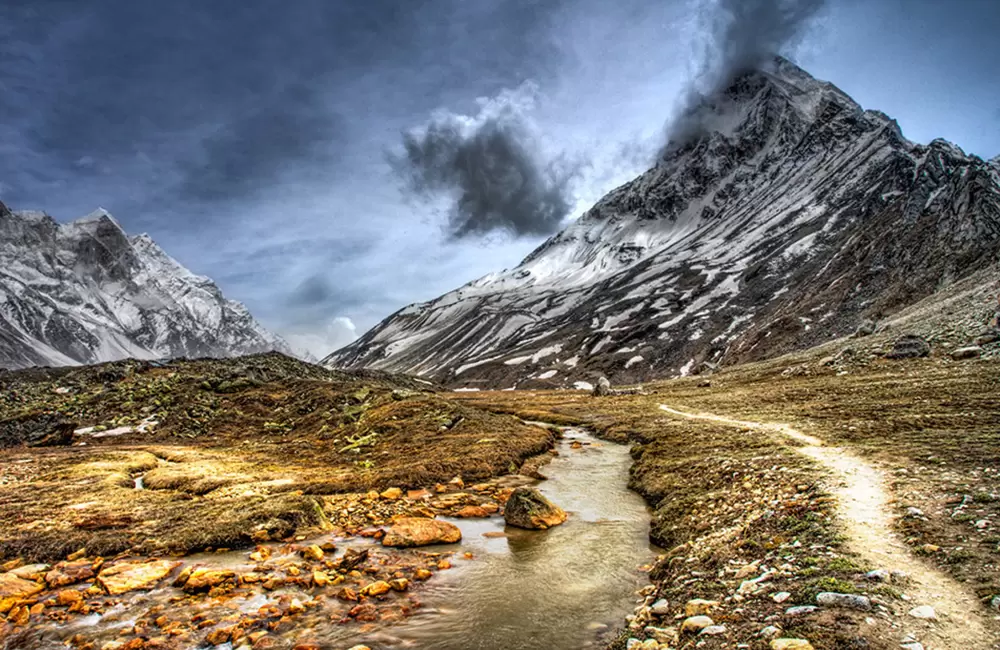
{"points": [[240, 445], [724, 497]]}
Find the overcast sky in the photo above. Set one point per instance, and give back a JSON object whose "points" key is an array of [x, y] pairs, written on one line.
{"points": [[330, 161]]}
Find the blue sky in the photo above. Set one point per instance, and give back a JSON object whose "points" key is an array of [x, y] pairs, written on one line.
{"points": [[261, 143]]}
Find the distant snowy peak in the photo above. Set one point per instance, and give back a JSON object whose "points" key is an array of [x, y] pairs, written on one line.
{"points": [[781, 214], [85, 292]]}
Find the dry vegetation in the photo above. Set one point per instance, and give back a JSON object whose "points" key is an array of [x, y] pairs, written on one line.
{"points": [[240, 446], [726, 497]]}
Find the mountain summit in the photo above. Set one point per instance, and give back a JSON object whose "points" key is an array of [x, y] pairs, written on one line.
{"points": [[85, 292], [782, 215]]}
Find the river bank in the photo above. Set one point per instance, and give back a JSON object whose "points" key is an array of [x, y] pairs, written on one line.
{"points": [[499, 587]]}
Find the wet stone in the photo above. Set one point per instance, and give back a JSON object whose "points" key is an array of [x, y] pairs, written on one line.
{"points": [[528, 508], [132, 576], [416, 531]]}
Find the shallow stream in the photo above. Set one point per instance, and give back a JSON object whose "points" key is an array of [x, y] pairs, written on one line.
{"points": [[548, 589], [567, 587]]}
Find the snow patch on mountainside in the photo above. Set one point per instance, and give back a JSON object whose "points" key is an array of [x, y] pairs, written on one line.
{"points": [[795, 216]]}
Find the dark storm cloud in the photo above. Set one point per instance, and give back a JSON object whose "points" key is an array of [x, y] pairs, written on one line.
{"points": [[255, 147], [491, 168], [205, 102], [314, 289], [740, 36], [747, 33]]}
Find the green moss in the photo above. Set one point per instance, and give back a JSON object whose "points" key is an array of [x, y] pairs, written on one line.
{"points": [[844, 565]]}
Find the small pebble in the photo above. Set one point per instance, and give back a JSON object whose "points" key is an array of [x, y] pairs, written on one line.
{"points": [[660, 607], [878, 575], [848, 601]]}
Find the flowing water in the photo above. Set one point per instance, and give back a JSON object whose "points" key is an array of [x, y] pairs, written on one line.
{"points": [[546, 589], [552, 589]]}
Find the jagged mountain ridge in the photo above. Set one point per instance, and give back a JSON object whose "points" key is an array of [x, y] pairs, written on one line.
{"points": [[791, 216], [84, 292]]}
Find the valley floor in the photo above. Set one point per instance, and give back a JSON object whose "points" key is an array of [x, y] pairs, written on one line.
{"points": [[769, 484], [772, 483]]}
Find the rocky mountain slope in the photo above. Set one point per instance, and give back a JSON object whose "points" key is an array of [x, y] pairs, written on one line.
{"points": [[85, 292], [789, 217]]}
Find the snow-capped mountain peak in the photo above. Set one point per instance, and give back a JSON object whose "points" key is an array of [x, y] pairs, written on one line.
{"points": [[780, 215], [84, 292]]}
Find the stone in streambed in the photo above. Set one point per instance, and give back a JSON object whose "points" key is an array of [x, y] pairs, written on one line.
{"points": [[472, 512], [376, 588], [660, 607], [132, 576], [312, 552], [13, 589], [417, 531], [67, 573], [205, 579], [528, 508]]}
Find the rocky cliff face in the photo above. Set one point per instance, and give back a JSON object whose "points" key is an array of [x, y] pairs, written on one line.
{"points": [[85, 292], [787, 217]]}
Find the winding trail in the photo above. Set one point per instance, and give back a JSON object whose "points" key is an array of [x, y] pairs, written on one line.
{"points": [[864, 512]]}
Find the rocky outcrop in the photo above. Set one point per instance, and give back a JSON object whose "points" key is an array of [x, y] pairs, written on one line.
{"points": [[528, 508], [85, 292], [795, 218]]}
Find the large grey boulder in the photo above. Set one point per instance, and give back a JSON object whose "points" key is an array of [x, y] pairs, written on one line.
{"points": [[602, 388], [909, 346]]}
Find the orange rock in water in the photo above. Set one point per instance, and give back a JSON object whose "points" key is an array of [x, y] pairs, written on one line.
{"points": [[19, 616], [68, 597], [392, 494], [347, 594], [205, 579], [67, 573], [220, 635], [131, 576], [422, 574], [366, 612], [13, 589], [376, 588], [470, 512], [415, 531]]}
